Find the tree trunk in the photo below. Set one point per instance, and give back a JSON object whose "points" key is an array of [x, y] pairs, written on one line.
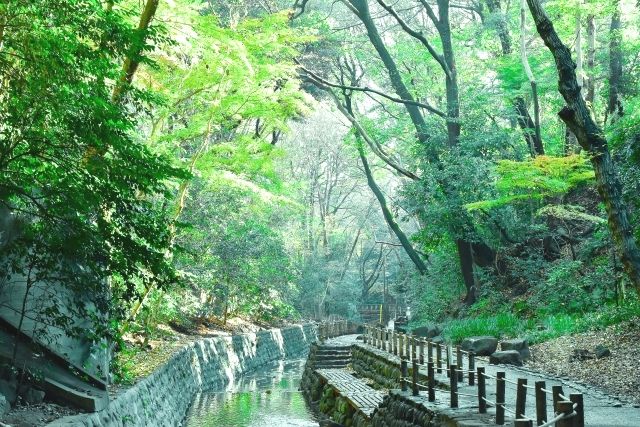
{"points": [[388, 216], [451, 82], [525, 122], [501, 26], [591, 60], [591, 138], [528, 126], [465, 256], [398, 84], [536, 148], [614, 107], [132, 61]]}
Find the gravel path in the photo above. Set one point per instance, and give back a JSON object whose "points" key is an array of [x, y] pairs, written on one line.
{"points": [[617, 375]]}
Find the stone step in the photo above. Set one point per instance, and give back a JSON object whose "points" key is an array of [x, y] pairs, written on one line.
{"points": [[331, 365], [334, 347], [332, 357], [334, 353]]}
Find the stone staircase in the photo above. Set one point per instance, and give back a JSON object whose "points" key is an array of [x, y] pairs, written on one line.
{"points": [[331, 356]]}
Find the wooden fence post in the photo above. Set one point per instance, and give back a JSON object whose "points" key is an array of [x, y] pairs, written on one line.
{"points": [[414, 349], [439, 357], [482, 391], [407, 342], [472, 367], [422, 342], [578, 401], [556, 391], [414, 378], [432, 381], [453, 384], [459, 363], [404, 373], [523, 423], [521, 398], [429, 351], [448, 361], [500, 389], [565, 407], [395, 343], [541, 403]]}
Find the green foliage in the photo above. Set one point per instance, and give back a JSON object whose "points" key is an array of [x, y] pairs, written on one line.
{"points": [[501, 325], [536, 179], [81, 184]]}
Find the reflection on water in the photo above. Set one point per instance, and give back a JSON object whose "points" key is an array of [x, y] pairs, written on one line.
{"points": [[266, 398]]}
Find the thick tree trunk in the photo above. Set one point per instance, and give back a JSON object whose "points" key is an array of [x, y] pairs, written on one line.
{"points": [[398, 84], [501, 26], [465, 255], [451, 83], [591, 138]]}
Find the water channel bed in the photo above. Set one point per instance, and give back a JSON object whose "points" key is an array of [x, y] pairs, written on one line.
{"points": [[266, 398]]}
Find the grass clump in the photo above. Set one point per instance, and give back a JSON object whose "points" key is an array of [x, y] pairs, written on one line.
{"points": [[542, 327]]}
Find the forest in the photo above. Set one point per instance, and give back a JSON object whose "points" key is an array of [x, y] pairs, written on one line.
{"points": [[191, 162]]}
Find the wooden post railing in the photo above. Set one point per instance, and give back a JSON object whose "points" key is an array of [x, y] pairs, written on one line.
{"points": [[567, 411]]}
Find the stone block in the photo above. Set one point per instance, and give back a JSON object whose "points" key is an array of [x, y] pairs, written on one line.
{"points": [[428, 331], [481, 346], [519, 345], [508, 357], [602, 351], [33, 396]]}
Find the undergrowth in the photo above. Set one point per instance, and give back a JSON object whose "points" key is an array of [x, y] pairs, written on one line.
{"points": [[539, 328]]}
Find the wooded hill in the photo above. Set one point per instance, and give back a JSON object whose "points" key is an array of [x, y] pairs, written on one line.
{"points": [[186, 162]]}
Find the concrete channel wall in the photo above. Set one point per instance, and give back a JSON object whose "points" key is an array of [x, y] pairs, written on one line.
{"points": [[164, 397]]}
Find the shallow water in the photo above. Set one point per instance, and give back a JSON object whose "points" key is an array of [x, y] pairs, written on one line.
{"points": [[267, 398]]}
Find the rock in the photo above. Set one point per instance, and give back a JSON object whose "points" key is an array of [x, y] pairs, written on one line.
{"points": [[437, 340], [508, 357], [9, 390], [580, 354], [428, 331], [33, 396], [481, 346], [5, 406], [519, 345], [602, 351]]}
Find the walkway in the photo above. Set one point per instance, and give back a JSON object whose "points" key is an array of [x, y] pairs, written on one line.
{"points": [[601, 410], [358, 394]]}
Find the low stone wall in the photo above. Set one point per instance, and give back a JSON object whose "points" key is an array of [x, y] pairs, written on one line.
{"points": [[163, 398], [401, 409], [383, 369]]}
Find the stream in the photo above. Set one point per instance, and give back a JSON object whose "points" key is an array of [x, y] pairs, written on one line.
{"points": [[268, 397]]}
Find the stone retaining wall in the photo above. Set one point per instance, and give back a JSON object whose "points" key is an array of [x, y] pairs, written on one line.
{"points": [[163, 398], [383, 369], [401, 409]]}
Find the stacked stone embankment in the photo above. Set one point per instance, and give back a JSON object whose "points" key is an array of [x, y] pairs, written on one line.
{"points": [[164, 397], [380, 370]]}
